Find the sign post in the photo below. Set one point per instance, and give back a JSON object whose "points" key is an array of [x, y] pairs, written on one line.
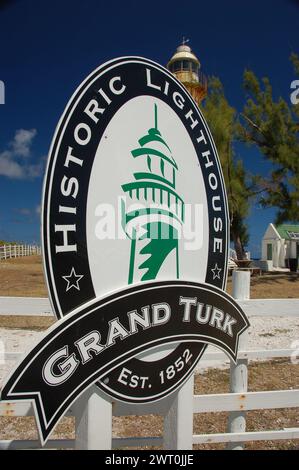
{"points": [[239, 372], [178, 421], [91, 410]]}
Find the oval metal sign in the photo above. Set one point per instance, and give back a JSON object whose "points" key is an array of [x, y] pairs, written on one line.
{"points": [[133, 193]]}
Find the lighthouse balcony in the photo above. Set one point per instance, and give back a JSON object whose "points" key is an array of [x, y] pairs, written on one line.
{"points": [[156, 195], [185, 66], [197, 79], [150, 223]]}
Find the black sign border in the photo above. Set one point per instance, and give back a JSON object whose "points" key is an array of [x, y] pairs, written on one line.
{"points": [[62, 127]]}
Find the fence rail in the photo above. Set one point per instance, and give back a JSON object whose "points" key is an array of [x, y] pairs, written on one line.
{"points": [[179, 408], [41, 306], [15, 251]]}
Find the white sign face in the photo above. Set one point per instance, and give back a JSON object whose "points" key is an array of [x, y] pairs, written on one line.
{"points": [[106, 236], [134, 193]]}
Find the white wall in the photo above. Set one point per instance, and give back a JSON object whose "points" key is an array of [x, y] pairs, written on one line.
{"points": [[280, 254], [264, 248], [283, 254], [293, 249], [278, 247], [271, 233]]}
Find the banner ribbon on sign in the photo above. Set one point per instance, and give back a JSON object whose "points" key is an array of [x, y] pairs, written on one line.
{"points": [[92, 341]]}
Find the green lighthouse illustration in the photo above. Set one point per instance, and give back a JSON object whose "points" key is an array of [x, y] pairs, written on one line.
{"points": [[154, 225]]}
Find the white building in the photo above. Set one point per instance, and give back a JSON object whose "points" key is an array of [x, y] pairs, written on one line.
{"points": [[280, 244]]}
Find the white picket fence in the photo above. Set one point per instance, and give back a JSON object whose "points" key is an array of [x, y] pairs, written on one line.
{"points": [[14, 251], [93, 411]]}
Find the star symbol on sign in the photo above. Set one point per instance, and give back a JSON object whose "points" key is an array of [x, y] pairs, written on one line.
{"points": [[72, 280], [216, 272]]}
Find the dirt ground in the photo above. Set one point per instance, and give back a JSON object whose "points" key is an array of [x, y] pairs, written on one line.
{"points": [[24, 277], [273, 375], [272, 286]]}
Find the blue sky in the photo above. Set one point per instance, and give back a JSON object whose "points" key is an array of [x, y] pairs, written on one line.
{"points": [[48, 48]]}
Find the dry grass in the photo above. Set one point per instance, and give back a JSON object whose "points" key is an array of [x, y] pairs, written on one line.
{"points": [[272, 286], [24, 277], [274, 375]]}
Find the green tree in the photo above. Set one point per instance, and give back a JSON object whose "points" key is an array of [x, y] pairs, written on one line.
{"points": [[272, 125], [222, 119]]}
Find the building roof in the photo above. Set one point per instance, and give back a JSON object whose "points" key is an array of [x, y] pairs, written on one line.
{"points": [[183, 52], [284, 230]]}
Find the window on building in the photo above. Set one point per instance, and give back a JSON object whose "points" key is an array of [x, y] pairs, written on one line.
{"points": [[177, 66], [186, 65], [194, 67], [269, 252]]}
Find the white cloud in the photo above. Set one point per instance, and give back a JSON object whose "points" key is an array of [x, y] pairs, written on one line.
{"points": [[24, 211], [22, 142], [10, 168], [27, 215], [14, 161]]}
